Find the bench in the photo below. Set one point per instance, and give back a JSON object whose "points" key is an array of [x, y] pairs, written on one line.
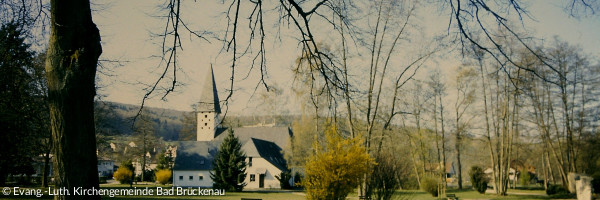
{"points": [[451, 196]]}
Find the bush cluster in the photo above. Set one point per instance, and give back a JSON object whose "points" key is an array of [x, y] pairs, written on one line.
{"points": [[123, 175], [284, 179], [336, 167], [596, 182], [148, 176], [430, 185], [524, 178], [163, 176], [478, 179], [556, 189]]}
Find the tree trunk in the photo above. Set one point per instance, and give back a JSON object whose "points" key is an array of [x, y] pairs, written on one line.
{"points": [[71, 61], [443, 140], [458, 163], [46, 167]]}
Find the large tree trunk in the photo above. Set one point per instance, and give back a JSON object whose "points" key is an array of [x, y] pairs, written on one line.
{"points": [[71, 61]]}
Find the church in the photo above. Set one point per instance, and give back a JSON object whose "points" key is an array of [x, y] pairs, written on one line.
{"points": [[262, 145]]}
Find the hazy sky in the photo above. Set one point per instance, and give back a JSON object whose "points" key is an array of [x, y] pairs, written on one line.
{"points": [[127, 28]]}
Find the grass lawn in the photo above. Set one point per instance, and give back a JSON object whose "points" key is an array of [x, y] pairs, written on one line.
{"points": [[265, 194], [471, 194], [525, 193]]}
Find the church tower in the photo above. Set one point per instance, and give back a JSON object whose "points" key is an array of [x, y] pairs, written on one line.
{"points": [[208, 110]]}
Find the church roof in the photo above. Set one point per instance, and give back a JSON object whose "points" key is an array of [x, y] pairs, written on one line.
{"points": [[209, 100], [267, 150], [195, 155], [278, 135]]}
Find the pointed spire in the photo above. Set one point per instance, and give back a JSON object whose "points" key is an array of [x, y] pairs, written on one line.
{"points": [[209, 100]]}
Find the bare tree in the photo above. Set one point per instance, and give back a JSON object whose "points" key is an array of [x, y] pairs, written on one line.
{"points": [[438, 89], [560, 107], [465, 97]]}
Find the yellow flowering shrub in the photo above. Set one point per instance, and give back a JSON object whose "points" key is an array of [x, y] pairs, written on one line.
{"points": [[336, 168], [123, 175], [163, 176]]}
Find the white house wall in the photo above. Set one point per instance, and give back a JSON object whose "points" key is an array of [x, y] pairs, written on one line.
{"points": [[195, 182], [105, 168], [260, 165]]}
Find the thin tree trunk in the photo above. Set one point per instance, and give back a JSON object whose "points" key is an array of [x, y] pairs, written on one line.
{"points": [[550, 168], [414, 160], [545, 170], [71, 62], [46, 167], [443, 139], [346, 82]]}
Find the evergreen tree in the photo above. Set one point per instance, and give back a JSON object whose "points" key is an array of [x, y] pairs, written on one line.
{"points": [[164, 161], [23, 119], [229, 165]]}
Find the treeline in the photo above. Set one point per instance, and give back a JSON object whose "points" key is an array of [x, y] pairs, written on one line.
{"points": [[533, 112]]}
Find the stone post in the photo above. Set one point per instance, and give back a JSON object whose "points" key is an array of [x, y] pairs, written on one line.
{"points": [[584, 187], [571, 177]]}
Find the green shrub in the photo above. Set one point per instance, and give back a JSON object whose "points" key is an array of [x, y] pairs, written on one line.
{"points": [[148, 176], [556, 189], [284, 179], [297, 180], [430, 185], [478, 179], [524, 178], [596, 182]]}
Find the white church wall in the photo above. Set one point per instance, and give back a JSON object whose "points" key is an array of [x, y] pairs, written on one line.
{"points": [[199, 178], [262, 166]]}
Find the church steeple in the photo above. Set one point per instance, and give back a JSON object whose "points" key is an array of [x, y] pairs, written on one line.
{"points": [[208, 110], [209, 100]]}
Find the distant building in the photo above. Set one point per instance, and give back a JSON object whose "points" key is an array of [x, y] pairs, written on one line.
{"points": [[512, 174], [262, 145], [38, 165], [106, 167], [437, 168]]}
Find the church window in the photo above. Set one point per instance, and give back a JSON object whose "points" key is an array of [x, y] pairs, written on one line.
{"points": [[191, 178], [181, 178], [200, 178], [252, 177], [205, 124], [250, 161], [205, 116]]}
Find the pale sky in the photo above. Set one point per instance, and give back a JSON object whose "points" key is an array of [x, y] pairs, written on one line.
{"points": [[126, 28]]}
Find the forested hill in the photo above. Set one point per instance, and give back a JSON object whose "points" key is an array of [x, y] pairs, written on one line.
{"points": [[116, 119]]}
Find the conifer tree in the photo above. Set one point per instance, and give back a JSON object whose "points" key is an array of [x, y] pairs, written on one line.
{"points": [[23, 119], [229, 165]]}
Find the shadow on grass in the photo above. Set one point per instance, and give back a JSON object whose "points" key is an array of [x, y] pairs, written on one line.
{"points": [[471, 194]]}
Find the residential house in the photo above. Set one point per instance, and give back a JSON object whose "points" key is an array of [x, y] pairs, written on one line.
{"points": [[106, 167]]}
